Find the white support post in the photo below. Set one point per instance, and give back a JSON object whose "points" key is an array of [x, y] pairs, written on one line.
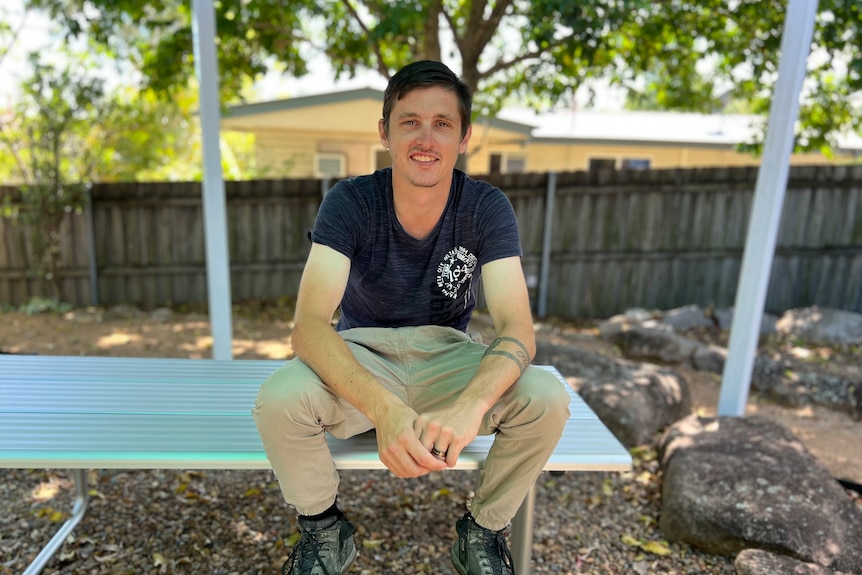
{"points": [[215, 211], [766, 209], [547, 237]]}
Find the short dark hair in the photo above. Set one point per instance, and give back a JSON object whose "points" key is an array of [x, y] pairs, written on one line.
{"points": [[426, 74]]}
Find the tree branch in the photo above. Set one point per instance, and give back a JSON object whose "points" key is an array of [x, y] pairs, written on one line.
{"points": [[381, 65], [523, 57]]}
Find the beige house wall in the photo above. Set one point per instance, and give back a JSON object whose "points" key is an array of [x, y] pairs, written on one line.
{"points": [[287, 142], [544, 157]]}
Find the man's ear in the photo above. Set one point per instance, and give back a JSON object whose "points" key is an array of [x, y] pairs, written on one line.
{"points": [[462, 148], [384, 139]]}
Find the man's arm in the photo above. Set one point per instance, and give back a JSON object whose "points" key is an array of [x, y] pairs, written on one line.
{"points": [[320, 347], [507, 357]]}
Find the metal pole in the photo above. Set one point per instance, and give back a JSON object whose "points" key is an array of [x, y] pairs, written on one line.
{"points": [[79, 509], [215, 211], [522, 533], [547, 235], [91, 246], [766, 209]]}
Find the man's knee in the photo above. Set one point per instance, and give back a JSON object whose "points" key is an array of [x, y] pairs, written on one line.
{"points": [[548, 395], [286, 393]]}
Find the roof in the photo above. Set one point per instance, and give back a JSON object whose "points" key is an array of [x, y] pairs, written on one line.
{"points": [[590, 126], [639, 127]]}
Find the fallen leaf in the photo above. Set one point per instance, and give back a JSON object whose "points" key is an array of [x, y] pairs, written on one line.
{"points": [[371, 543], [159, 560], [293, 539], [656, 548], [631, 541]]}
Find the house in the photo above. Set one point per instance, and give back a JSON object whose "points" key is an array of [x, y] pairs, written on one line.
{"points": [[335, 135]]}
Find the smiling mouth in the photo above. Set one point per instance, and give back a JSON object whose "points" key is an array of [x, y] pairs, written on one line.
{"points": [[420, 157]]}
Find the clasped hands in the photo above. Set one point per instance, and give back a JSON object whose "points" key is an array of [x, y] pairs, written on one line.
{"points": [[405, 439]]}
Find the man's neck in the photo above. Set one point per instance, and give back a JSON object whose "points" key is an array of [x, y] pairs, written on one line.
{"points": [[418, 208]]}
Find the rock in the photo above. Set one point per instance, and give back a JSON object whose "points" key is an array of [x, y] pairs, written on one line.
{"points": [[616, 324], [759, 562], [649, 344], [724, 317], [777, 380], [637, 315], [822, 325], [687, 317], [86, 315], [734, 483], [635, 400], [122, 312], [161, 314], [709, 358]]}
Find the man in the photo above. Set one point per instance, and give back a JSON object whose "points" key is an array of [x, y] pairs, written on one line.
{"points": [[401, 252]]}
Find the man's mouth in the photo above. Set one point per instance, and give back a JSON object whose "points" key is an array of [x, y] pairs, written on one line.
{"points": [[420, 157]]}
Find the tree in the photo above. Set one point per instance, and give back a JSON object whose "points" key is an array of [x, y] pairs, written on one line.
{"points": [[48, 140], [680, 54]]}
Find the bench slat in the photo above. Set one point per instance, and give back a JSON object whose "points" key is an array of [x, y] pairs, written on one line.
{"points": [[85, 412]]}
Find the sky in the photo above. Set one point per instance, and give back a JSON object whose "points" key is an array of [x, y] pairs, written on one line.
{"points": [[35, 36]]}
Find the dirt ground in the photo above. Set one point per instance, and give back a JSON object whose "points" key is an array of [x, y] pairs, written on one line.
{"points": [[262, 331]]}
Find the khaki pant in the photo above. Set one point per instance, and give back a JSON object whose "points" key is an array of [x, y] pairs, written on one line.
{"points": [[426, 367]]}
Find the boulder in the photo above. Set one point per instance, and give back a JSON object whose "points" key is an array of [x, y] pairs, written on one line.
{"points": [[651, 344], [822, 325], [759, 562], [709, 358], [724, 318], [122, 311], [614, 325], [162, 315], [687, 317], [733, 483], [635, 400]]}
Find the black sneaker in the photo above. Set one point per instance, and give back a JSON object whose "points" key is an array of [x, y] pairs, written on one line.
{"points": [[480, 551], [325, 548]]}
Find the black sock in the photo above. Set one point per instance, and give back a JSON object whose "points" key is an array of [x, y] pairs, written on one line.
{"points": [[332, 512]]}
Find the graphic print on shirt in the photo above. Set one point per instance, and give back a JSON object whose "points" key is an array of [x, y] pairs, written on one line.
{"points": [[455, 270]]}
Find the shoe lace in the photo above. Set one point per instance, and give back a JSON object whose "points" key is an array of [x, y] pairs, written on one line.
{"points": [[306, 555], [497, 552]]}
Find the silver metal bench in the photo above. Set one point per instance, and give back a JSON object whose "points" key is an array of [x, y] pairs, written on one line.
{"points": [[85, 413]]}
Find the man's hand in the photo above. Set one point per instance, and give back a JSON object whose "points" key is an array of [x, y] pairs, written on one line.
{"points": [[399, 447], [448, 431]]}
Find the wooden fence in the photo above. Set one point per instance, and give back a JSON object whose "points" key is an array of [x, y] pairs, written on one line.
{"points": [[618, 239]]}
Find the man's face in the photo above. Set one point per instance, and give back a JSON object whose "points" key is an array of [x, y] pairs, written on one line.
{"points": [[424, 138]]}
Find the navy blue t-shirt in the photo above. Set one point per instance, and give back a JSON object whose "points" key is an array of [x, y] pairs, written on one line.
{"points": [[396, 280]]}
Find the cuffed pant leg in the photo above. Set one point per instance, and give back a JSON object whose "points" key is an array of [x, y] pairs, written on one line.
{"points": [[528, 421], [292, 411]]}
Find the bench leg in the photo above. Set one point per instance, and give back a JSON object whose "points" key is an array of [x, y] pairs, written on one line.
{"points": [[522, 534], [79, 507]]}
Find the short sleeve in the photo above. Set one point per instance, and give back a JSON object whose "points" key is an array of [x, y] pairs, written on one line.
{"points": [[341, 219]]}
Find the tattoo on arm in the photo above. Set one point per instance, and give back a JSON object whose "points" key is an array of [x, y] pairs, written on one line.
{"points": [[520, 357]]}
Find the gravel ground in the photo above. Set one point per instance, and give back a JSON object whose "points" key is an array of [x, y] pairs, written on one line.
{"points": [[226, 522]]}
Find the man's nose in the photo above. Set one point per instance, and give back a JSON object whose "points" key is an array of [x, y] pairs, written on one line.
{"points": [[425, 134]]}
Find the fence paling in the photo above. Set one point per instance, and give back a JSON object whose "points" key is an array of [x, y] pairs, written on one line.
{"points": [[652, 239]]}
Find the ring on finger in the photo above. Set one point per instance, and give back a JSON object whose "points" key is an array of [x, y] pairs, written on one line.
{"points": [[437, 453]]}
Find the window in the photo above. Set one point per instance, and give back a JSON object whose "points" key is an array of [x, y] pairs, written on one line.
{"points": [[635, 164], [507, 164], [330, 166], [602, 164]]}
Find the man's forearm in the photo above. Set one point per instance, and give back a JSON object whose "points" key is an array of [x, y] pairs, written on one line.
{"points": [[506, 358], [324, 351]]}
